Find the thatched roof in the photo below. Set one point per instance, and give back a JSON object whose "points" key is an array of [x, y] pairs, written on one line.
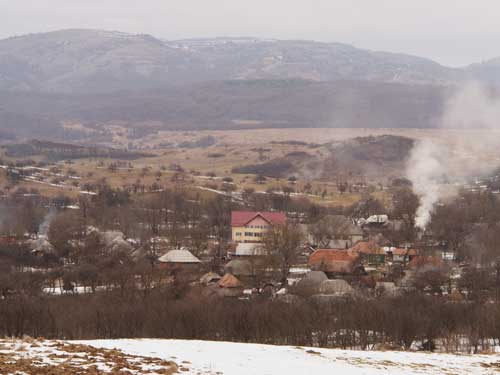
{"points": [[229, 281]]}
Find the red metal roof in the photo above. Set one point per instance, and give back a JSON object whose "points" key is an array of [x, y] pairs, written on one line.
{"points": [[330, 260], [366, 247], [241, 218]]}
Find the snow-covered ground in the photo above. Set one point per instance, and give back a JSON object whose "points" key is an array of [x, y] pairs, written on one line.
{"points": [[206, 357], [36, 357], [155, 357]]}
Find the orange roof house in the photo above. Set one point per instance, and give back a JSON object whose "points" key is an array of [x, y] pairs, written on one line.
{"points": [[369, 251], [333, 261], [366, 247]]}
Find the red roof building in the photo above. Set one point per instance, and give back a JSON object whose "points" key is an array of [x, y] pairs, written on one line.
{"points": [[242, 218], [333, 261], [251, 226]]}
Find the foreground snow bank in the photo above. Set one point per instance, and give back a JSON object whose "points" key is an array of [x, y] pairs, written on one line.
{"points": [[206, 357]]}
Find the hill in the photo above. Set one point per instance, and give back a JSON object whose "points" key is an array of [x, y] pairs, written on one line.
{"points": [[228, 105], [381, 158], [102, 61], [96, 78], [488, 71], [140, 356]]}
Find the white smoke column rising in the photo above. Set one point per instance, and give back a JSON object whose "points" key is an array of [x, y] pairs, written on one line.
{"points": [[472, 108], [425, 169]]}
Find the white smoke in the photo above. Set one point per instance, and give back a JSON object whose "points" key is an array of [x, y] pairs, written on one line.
{"points": [[425, 169], [473, 112]]}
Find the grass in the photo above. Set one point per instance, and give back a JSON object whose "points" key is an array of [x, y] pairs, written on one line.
{"points": [[237, 147]]}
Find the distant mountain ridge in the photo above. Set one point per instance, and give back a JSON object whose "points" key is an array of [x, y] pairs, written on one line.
{"points": [[95, 61], [100, 77]]}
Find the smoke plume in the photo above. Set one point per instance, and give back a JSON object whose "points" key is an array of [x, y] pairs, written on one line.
{"points": [[425, 168], [473, 113]]}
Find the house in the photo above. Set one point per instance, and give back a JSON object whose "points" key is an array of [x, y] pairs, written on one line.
{"points": [[336, 288], [400, 255], [347, 233], [334, 262], [178, 259], [369, 252], [251, 226], [310, 283], [379, 220]]}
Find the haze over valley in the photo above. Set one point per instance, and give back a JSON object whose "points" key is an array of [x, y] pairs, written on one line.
{"points": [[97, 78]]}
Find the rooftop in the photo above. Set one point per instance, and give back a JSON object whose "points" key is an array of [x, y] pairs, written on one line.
{"points": [[241, 218], [179, 256]]}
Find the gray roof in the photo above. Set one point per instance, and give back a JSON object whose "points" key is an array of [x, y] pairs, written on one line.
{"points": [[312, 279], [239, 267], [249, 249], [179, 256]]}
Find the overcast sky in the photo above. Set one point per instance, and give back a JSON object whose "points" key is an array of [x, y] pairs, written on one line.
{"points": [[452, 32]]}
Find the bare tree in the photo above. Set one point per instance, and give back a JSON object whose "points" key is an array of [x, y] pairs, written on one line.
{"points": [[327, 229], [282, 246]]}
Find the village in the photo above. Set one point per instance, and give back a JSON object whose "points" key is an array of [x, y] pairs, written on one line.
{"points": [[344, 259], [269, 254]]}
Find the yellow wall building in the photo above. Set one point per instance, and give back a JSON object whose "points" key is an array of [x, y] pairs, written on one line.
{"points": [[250, 226]]}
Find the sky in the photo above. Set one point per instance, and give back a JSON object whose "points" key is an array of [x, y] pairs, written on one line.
{"points": [[451, 32]]}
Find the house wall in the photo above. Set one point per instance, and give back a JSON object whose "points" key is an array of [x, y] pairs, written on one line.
{"points": [[253, 232], [355, 238]]}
